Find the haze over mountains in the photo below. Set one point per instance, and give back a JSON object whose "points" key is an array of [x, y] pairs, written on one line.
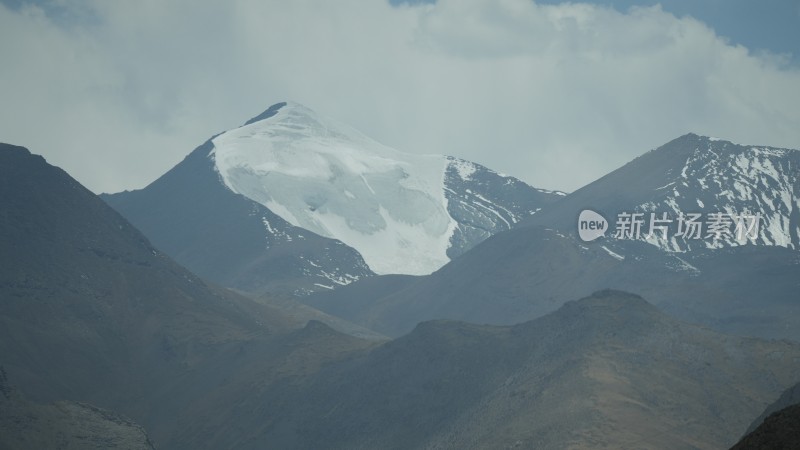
{"points": [[99, 320]]}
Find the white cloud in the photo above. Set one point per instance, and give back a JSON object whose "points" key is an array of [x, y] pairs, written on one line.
{"points": [[556, 95]]}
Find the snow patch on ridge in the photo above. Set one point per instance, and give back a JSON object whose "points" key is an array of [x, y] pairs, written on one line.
{"points": [[465, 169], [616, 256]]}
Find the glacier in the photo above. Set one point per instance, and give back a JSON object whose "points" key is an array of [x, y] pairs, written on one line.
{"points": [[327, 177]]}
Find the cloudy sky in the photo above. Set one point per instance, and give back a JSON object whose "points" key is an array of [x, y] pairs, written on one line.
{"points": [[554, 93]]}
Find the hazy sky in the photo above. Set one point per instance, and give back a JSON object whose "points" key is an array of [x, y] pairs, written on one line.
{"points": [[557, 94]]}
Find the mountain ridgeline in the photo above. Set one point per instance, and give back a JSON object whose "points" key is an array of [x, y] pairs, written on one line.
{"points": [[523, 336]]}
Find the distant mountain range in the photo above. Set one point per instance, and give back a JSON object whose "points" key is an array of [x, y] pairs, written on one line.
{"points": [[293, 202], [296, 202], [518, 275], [98, 325]]}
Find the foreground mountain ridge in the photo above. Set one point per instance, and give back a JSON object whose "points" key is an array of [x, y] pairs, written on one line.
{"points": [[606, 371]]}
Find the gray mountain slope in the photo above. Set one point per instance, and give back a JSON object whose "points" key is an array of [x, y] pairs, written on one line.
{"points": [[531, 271], [82, 289], [484, 203], [223, 236]]}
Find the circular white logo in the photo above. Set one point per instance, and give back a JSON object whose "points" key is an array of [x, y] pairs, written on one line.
{"points": [[591, 225]]}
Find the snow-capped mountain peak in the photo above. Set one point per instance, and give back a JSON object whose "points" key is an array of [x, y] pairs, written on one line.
{"points": [[715, 176], [324, 176], [736, 179]]}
